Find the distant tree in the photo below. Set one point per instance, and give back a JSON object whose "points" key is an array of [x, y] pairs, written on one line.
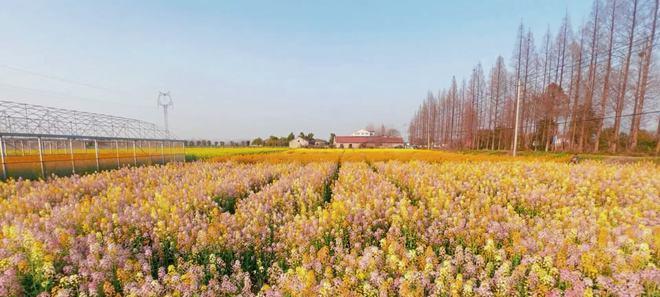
{"points": [[275, 141], [258, 141], [551, 103], [332, 138], [383, 130], [392, 132], [272, 141]]}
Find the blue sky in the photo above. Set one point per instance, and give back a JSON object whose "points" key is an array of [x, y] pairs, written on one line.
{"points": [[241, 69]]}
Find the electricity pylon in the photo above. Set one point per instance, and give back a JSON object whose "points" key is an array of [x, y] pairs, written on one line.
{"points": [[165, 100]]}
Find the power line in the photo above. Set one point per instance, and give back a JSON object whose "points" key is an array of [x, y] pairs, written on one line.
{"points": [[637, 43], [70, 82], [590, 119], [464, 131], [60, 79], [63, 95], [575, 64], [587, 65]]}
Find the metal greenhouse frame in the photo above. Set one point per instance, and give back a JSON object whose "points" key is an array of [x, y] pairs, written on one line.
{"points": [[37, 141]]}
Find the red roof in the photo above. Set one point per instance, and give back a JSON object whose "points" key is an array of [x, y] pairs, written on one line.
{"points": [[368, 139]]}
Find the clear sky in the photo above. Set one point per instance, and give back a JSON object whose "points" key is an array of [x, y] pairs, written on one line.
{"points": [[241, 69]]}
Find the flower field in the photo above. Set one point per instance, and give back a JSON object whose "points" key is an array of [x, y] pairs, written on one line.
{"points": [[201, 153], [396, 228], [273, 155]]}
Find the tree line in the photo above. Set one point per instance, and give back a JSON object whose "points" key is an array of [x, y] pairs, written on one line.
{"points": [[383, 130], [280, 141], [216, 143], [589, 89]]}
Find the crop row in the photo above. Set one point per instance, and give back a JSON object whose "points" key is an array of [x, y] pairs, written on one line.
{"points": [[382, 229], [486, 229], [536, 228], [329, 252], [99, 234]]}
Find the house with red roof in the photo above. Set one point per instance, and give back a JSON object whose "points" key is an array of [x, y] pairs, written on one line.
{"points": [[368, 140]]}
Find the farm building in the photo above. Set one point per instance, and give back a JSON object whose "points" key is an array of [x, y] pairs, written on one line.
{"points": [[368, 141], [363, 132], [298, 142], [320, 143]]}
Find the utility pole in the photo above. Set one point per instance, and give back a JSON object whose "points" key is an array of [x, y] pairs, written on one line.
{"points": [[2, 155], [515, 133], [165, 100], [428, 128]]}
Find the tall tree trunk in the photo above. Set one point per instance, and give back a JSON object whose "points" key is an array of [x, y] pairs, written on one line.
{"points": [[498, 84], [576, 103], [643, 81], [473, 120], [546, 60], [452, 103], [567, 112], [490, 141], [638, 104], [606, 81], [592, 80], [561, 58], [624, 84], [657, 137], [518, 73], [544, 85], [523, 99]]}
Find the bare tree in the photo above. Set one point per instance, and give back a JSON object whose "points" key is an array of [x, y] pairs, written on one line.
{"points": [[578, 82], [529, 45], [618, 109], [562, 39], [608, 70], [586, 109], [569, 89], [657, 137], [472, 111], [642, 82], [498, 85], [551, 102]]}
